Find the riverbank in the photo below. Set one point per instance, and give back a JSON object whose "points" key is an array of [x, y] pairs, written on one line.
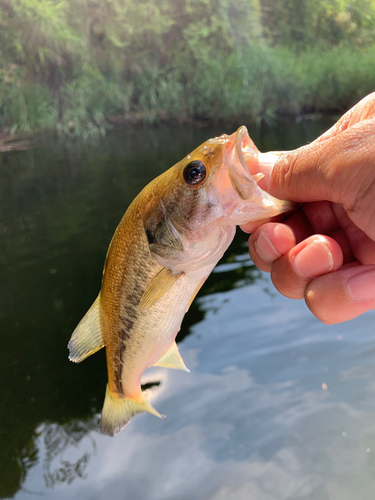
{"points": [[255, 83]]}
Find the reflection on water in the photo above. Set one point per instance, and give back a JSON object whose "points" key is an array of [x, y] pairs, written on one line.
{"points": [[56, 440], [277, 405]]}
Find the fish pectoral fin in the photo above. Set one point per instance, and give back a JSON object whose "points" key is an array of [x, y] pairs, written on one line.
{"points": [[87, 337], [118, 410], [172, 359], [158, 286]]}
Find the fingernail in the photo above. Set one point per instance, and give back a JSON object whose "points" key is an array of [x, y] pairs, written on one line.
{"points": [[313, 260], [265, 248], [361, 288], [266, 162]]}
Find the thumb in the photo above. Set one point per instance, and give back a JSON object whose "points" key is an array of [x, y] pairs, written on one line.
{"points": [[340, 169]]}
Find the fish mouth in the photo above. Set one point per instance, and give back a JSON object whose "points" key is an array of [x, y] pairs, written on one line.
{"points": [[239, 192], [238, 145]]}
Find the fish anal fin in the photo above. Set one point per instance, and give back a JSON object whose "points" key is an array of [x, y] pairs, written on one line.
{"points": [[118, 410], [87, 337], [172, 359], [158, 286]]}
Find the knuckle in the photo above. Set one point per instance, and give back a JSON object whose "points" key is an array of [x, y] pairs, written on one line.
{"points": [[296, 171], [287, 167], [361, 201], [351, 167]]}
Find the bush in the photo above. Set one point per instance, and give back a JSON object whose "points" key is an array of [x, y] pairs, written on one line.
{"points": [[71, 66]]}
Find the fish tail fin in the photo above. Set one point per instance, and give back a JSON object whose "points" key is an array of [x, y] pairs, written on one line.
{"points": [[118, 410]]}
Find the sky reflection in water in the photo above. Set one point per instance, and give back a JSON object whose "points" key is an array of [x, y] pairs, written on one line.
{"points": [[251, 420], [277, 406]]}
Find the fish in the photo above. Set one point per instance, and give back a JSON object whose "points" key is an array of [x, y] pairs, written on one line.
{"points": [[163, 250]]}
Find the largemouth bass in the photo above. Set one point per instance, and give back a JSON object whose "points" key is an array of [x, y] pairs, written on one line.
{"points": [[165, 247]]}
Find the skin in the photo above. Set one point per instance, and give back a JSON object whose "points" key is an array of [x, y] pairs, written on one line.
{"points": [[324, 252]]}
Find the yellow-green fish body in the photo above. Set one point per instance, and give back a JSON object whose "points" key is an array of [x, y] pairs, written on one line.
{"points": [[165, 247]]}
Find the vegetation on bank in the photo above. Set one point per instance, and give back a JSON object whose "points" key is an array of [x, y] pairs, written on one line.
{"points": [[73, 65]]}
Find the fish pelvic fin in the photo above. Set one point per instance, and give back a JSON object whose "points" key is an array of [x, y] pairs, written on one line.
{"points": [[118, 410], [87, 337], [172, 359]]}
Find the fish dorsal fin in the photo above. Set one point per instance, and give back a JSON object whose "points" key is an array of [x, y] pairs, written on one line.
{"points": [[172, 359], [158, 286], [87, 337]]}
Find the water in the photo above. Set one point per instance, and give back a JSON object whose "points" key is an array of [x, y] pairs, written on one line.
{"points": [[277, 406]]}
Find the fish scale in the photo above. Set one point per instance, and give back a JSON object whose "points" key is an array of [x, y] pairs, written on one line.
{"points": [[157, 328]]}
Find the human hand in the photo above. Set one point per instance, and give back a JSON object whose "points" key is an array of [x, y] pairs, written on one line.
{"points": [[324, 252]]}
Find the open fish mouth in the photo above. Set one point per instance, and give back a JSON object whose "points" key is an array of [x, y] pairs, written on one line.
{"points": [[238, 188], [238, 146]]}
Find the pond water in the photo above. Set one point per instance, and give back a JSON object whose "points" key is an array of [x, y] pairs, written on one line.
{"points": [[277, 405]]}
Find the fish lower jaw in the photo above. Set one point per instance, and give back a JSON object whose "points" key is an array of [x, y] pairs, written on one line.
{"points": [[257, 209]]}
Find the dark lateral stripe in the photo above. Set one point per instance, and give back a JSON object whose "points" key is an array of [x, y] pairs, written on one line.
{"points": [[132, 290], [126, 325]]}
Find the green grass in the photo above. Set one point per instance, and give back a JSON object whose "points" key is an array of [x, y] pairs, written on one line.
{"points": [[256, 82]]}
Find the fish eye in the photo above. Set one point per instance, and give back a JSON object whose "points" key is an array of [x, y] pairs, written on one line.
{"points": [[195, 173]]}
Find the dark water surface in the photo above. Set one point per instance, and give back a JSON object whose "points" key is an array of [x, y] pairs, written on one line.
{"points": [[277, 406]]}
